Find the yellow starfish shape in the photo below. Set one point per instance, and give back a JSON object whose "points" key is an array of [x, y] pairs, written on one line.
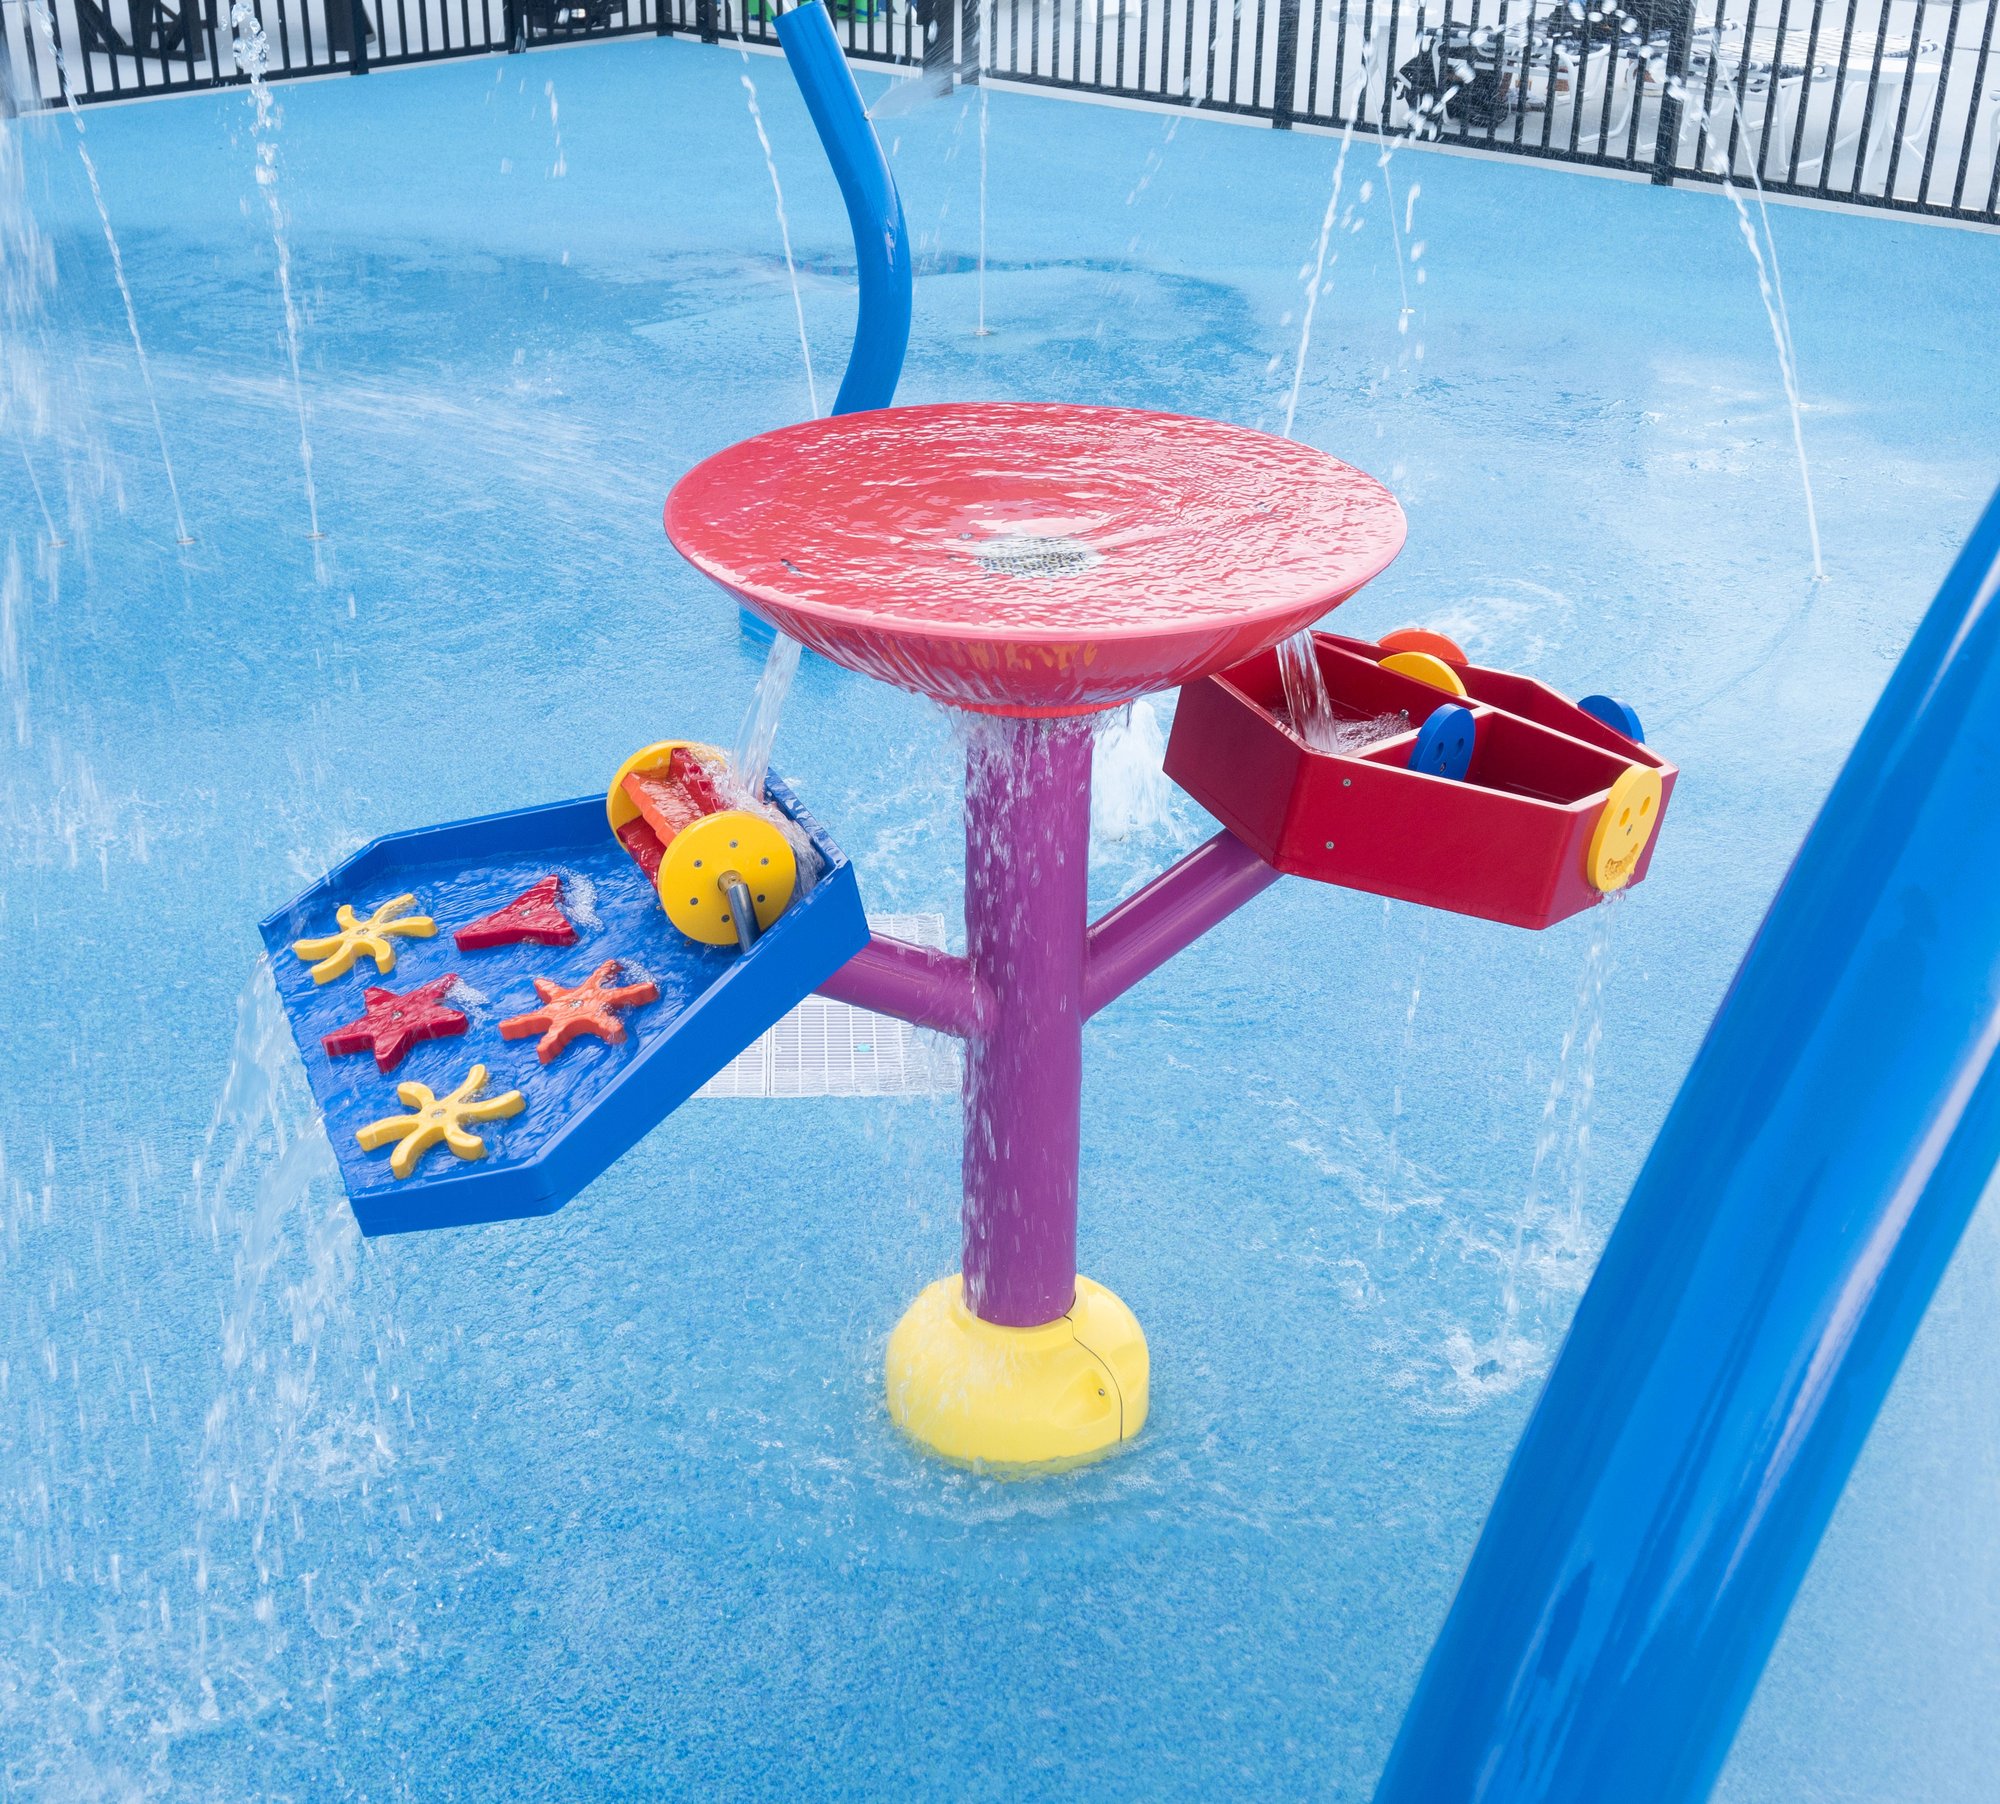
{"points": [[438, 1118], [338, 951]]}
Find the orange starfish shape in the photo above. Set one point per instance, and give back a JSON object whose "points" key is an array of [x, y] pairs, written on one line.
{"points": [[587, 1009]]}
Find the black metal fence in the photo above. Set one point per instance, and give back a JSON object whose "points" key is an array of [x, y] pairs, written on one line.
{"points": [[1892, 103], [117, 49], [1883, 102]]}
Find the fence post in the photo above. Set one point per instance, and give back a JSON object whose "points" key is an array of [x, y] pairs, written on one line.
{"points": [[968, 40], [1666, 146], [704, 21], [663, 18], [357, 57], [1285, 74], [937, 21]]}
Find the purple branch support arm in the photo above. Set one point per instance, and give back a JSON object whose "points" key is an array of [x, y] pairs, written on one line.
{"points": [[1173, 911], [934, 989], [917, 984]]}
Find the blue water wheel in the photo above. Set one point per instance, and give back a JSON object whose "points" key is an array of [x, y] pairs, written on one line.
{"points": [[1444, 745], [1615, 715]]}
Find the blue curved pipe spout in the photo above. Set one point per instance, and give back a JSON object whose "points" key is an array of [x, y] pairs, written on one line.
{"points": [[874, 208], [1836, 1130]]}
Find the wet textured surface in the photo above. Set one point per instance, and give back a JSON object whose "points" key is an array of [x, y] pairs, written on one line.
{"points": [[1000, 554], [607, 1504]]}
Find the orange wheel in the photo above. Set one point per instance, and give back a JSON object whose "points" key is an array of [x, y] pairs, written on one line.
{"points": [[1421, 638]]}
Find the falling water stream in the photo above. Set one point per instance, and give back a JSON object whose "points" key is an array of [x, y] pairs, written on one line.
{"points": [[1308, 707], [13, 656], [41, 500], [1155, 160], [47, 24], [980, 331], [1318, 281], [1771, 289], [751, 758], [309, 1422], [1396, 237], [27, 272], [253, 53], [1549, 1238], [265, 1154], [1407, 1052], [560, 167], [1130, 792], [1306, 700], [784, 234]]}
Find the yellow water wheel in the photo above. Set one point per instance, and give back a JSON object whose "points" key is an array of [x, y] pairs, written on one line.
{"points": [[699, 862], [618, 805]]}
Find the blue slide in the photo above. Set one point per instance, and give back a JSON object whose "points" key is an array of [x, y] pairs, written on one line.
{"points": [[1835, 1133]]}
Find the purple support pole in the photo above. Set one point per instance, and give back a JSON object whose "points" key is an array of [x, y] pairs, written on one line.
{"points": [[1027, 855], [1036, 973]]}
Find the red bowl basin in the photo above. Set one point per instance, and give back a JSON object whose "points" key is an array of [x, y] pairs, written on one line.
{"points": [[1032, 559]]}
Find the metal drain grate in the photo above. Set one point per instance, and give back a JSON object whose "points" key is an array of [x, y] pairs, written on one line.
{"points": [[825, 1048], [1024, 554]]}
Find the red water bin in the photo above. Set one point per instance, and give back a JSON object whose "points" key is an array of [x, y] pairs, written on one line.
{"points": [[1554, 810]]}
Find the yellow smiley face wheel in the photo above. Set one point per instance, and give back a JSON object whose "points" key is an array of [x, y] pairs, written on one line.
{"points": [[1426, 669], [1631, 812], [736, 841], [620, 807]]}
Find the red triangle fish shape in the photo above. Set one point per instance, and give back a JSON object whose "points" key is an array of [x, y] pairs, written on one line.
{"points": [[535, 917]]}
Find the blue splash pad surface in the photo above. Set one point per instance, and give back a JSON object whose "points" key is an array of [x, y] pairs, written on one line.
{"points": [[594, 1101], [607, 1504]]}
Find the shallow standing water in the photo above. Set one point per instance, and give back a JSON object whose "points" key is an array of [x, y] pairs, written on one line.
{"points": [[607, 1504]]}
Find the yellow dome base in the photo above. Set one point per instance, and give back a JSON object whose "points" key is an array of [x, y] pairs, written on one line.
{"points": [[979, 1393]]}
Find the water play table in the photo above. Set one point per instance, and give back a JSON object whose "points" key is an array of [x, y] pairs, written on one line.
{"points": [[1033, 564]]}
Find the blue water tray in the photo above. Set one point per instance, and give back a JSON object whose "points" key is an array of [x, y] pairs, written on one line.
{"points": [[591, 1104]]}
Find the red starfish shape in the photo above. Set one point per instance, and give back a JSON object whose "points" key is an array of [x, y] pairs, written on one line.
{"points": [[587, 1009], [535, 916], [393, 1024]]}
